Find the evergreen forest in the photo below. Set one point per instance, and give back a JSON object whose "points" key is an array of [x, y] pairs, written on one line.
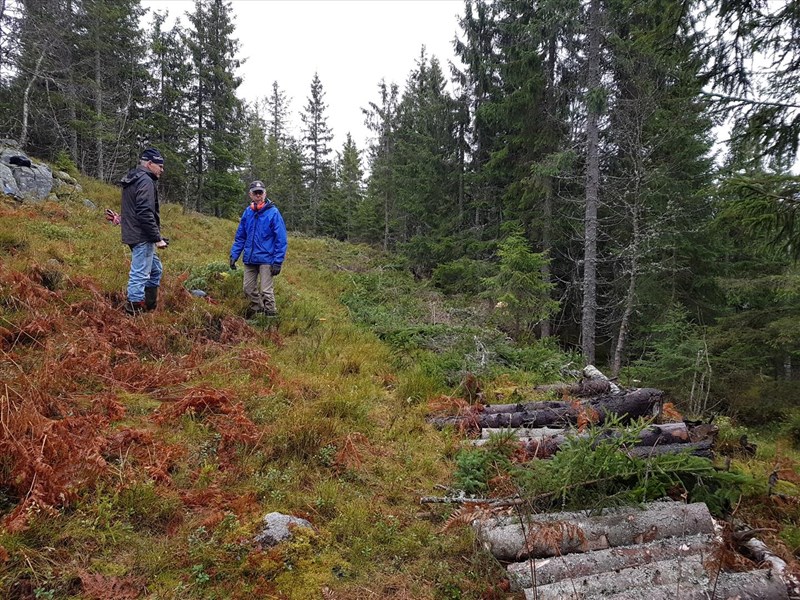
{"points": [[600, 186], [577, 172]]}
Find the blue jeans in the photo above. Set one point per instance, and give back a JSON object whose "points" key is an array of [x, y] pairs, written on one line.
{"points": [[145, 270]]}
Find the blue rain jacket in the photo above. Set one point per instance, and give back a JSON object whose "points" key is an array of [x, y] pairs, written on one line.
{"points": [[261, 236]]}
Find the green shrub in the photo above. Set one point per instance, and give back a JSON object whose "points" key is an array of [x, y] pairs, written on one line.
{"points": [[64, 163], [212, 276], [760, 404], [474, 468], [792, 429], [462, 276]]}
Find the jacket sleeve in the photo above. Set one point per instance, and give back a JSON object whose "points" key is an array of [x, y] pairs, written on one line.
{"points": [[145, 207], [279, 231], [240, 238]]}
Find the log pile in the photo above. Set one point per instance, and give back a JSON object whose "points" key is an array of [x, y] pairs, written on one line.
{"points": [[544, 427], [642, 402], [654, 440], [668, 550]]}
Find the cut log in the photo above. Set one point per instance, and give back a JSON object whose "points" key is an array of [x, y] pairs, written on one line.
{"points": [[572, 566], [751, 585], [762, 554], [670, 436], [666, 433], [688, 571], [557, 534], [592, 383], [695, 448], [637, 403], [522, 432], [592, 373]]}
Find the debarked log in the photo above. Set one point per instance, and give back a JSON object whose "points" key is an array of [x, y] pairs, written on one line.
{"points": [[636, 403], [557, 534], [663, 434], [702, 449], [688, 571], [573, 566], [750, 585]]}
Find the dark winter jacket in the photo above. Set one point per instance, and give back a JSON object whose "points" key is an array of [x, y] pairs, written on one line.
{"points": [[261, 236], [139, 214]]}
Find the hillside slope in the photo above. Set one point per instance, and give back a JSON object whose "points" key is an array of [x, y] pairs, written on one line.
{"points": [[139, 455]]}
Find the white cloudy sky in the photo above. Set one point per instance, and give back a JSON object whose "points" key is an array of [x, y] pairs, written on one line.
{"points": [[351, 44]]}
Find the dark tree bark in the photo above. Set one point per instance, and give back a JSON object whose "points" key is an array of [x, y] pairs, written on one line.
{"points": [[637, 403]]}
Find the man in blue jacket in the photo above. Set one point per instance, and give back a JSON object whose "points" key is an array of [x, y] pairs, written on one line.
{"points": [[141, 231], [261, 240]]}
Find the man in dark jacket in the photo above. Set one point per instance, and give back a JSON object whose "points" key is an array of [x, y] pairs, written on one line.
{"points": [[141, 230], [261, 238]]}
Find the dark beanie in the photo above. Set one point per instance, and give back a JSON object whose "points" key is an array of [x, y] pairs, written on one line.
{"points": [[153, 155]]}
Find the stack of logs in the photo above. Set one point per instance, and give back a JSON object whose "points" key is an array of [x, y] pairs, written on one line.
{"points": [[669, 550], [543, 427]]}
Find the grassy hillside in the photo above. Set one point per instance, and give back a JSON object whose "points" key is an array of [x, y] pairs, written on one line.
{"points": [[138, 456], [142, 453]]}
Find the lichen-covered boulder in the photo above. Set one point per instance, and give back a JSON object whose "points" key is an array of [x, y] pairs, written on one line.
{"points": [[23, 178], [278, 527]]}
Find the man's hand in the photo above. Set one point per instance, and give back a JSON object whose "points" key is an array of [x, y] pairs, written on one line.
{"points": [[162, 243], [275, 269], [233, 265], [112, 217]]}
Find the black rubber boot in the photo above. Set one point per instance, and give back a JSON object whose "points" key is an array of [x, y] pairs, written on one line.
{"points": [[134, 308], [150, 298]]}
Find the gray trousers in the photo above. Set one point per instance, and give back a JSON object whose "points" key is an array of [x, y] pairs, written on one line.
{"points": [[262, 297]]}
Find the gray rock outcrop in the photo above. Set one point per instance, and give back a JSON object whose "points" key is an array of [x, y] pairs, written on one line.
{"points": [[278, 527], [22, 178]]}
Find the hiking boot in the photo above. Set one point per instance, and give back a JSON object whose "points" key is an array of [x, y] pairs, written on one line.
{"points": [[150, 298], [134, 308]]}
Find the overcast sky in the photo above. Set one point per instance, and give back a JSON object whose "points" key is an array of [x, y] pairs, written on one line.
{"points": [[351, 44]]}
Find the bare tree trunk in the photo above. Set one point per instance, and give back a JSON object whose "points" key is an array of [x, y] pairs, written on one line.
{"points": [[546, 329], [589, 309], [2, 21], [630, 296], [72, 134], [23, 137], [98, 107]]}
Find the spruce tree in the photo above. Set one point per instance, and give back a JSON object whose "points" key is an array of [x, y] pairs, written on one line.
{"points": [[169, 123], [316, 139], [339, 216], [377, 215], [219, 114]]}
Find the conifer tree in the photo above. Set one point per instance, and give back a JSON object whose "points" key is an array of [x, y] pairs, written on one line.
{"points": [[218, 112], [169, 123], [116, 79], [316, 139], [290, 191], [339, 216], [277, 114], [260, 159], [425, 161], [376, 217]]}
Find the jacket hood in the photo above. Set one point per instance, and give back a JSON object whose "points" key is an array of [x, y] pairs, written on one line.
{"points": [[133, 175], [267, 204]]}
